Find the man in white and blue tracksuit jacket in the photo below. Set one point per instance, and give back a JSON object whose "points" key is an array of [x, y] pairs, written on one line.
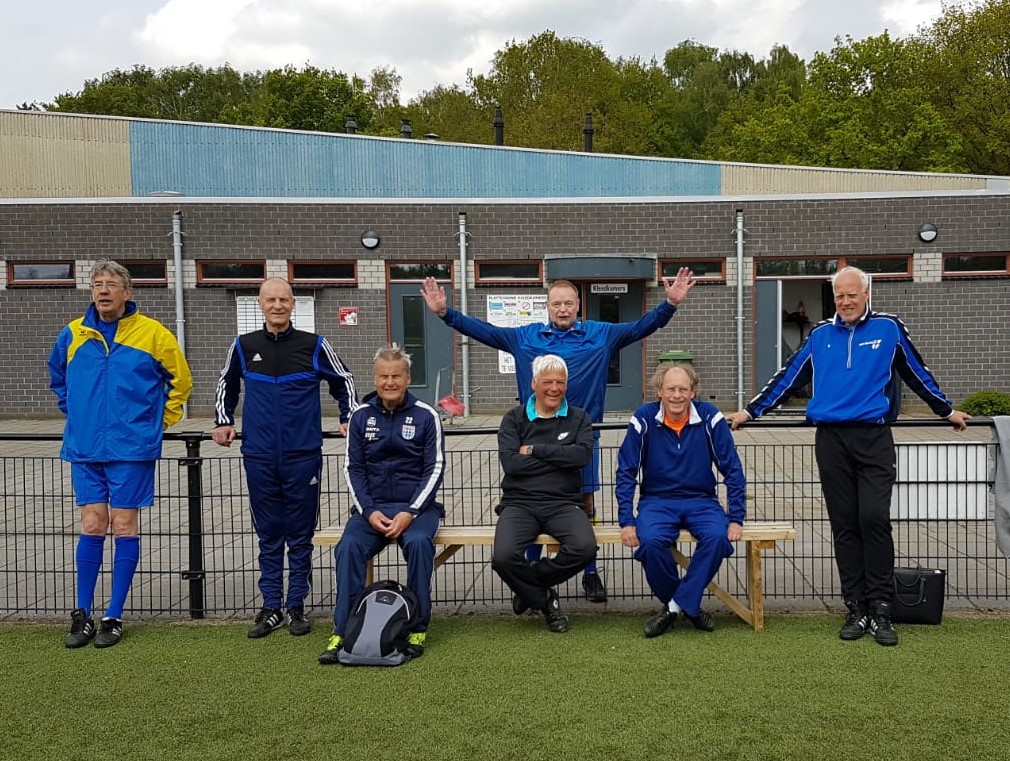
{"points": [[586, 346], [394, 468], [855, 363], [669, 452]]}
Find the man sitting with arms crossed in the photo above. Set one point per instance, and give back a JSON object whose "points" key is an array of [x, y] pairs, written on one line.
{"points": [[668, 453], [543, 445]]}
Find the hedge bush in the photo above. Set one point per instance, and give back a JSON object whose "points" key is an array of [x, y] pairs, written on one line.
{"points": [[987, 403]]}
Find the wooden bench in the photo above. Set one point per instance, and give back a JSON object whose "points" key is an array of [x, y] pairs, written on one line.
{"points": [[757, 537]]}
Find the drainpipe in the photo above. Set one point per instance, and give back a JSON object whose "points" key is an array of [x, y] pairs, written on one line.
{"points": [[464, 342], [739, 309], [180, 312]]}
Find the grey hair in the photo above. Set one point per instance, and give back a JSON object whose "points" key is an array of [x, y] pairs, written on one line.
{"points": [[864, 279], [115, 269], [392, 353], [547, 362], [664, 367]]}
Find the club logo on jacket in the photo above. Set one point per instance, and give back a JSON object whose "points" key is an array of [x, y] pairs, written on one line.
{"points": [[874, 344], [256, 358], [408, 432]]}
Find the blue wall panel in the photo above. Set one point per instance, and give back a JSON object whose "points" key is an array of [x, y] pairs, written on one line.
{"points": [[205, 160]]}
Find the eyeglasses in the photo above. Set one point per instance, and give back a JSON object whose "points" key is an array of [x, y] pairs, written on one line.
{"points": [[111, 286]]}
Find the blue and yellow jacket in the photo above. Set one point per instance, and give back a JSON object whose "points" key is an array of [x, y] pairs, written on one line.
{"points": [[855, 372], [118, 398]]}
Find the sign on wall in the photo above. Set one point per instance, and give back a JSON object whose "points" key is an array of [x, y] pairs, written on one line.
{"points": [[250, 318], [513, 312]]}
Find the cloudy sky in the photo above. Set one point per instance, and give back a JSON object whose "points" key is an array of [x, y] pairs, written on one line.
{"points": [[49, 47]]}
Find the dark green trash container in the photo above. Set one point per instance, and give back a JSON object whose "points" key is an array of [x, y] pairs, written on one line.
{"points": [[676, 355]]}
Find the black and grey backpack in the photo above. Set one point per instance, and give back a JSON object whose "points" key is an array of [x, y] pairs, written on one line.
{"points": [[378, 627]]}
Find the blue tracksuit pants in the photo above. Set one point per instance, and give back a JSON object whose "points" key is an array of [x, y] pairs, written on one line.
{"points": [[284, 496], [361, 542], [659, 523]]}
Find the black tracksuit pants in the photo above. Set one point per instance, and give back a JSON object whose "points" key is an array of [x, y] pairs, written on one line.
{"points": [[856, 464]]}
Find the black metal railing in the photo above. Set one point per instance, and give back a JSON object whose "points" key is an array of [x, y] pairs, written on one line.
{"points": [[198, 554]]}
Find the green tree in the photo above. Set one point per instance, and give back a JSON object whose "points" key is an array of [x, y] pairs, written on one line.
{"points": [[968, 79]]}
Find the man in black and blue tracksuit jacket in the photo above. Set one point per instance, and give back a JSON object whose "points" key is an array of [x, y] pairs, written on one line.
{"points": [[855, 363], [669, 452], [394, 468], [282, 440]]}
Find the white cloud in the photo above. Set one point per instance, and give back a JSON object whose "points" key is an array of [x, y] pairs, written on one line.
{"points": [[52, 46]]}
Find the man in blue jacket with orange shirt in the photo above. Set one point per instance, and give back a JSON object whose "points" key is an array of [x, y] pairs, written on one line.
{"points": [[669, 453], [586, 346]]}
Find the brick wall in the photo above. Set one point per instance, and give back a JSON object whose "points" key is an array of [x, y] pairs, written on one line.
{"points": [[959, 326]]}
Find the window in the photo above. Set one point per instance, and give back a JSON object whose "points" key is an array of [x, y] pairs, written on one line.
{"points": [[507, 273], [146, 271], [975, 265], [230, 272], [893, 267], [323, 272], [705, 270], [40, 274], [418, 271]]}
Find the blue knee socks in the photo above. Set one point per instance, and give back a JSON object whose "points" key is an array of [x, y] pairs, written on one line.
{"points": [[123, 568], [89, 563]]}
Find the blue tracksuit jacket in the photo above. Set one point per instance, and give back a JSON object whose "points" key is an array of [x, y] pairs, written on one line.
{"points": [[282, 411], [586, 347], [666, 466], [856, 373], [394, 459]]}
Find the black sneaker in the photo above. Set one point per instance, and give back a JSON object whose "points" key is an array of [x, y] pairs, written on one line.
{"points": [[82, 629], [592, 584], [110, 631], [557, 622], [703, 621], [857, 621], [298, 623], [660, 623], [519, 605], [415, 645], [267, 620], [880, 624], [331, 655]]}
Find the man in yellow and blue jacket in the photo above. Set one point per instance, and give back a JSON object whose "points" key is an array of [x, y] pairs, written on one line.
{"points": [[121, 379]]}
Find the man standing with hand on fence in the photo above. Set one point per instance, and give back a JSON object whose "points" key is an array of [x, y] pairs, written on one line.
{"points": [[121, 379], [856, 362], [282, 445]]}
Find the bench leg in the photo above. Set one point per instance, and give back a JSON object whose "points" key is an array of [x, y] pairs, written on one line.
{"points": [[727, 599], [755, 583]]}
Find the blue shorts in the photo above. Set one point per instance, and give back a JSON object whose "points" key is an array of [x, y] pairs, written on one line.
{"points": [[121, 485]]}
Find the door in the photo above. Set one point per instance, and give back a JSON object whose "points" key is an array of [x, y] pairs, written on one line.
{"points": [[426, 338], [624, 378], [767, 331]]}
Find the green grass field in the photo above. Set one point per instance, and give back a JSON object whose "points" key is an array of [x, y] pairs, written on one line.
{"points": [[505, 688]]}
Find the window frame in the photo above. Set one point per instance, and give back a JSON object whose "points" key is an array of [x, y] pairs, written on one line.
{"points": [[974, 274], [481, 280], [399, 263], [67, 282], [336, 281], [146, 281], [840, 262], [678, 263], [203, 280]]}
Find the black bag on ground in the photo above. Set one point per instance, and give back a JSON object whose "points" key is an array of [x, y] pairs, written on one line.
{"points": [[918, 595], [378, 627]]}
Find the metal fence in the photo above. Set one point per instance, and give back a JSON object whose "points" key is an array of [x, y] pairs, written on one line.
{"points": [[198, 554]]}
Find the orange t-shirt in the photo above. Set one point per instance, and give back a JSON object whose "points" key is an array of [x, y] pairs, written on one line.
{"points": [[676, 425]]}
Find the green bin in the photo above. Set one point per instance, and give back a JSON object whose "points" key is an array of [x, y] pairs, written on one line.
{"points": [[676, 355]]}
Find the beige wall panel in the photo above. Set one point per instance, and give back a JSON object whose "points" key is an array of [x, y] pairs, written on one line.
{"points": [[59, 156], [765, 180]]}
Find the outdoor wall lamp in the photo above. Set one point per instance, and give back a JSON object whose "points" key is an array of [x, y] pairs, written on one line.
{"points": [[927, 233], [371, 239]]}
